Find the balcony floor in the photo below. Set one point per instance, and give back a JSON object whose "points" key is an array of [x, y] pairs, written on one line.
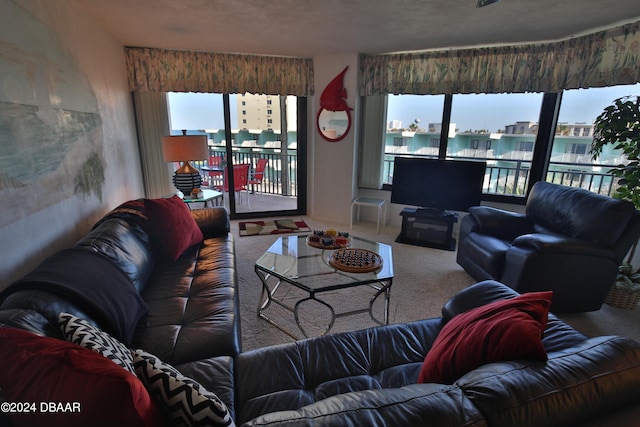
{"points": [[258, 202]]}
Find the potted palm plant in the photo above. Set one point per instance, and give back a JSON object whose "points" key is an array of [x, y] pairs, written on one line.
{"points": [[618, 126]]}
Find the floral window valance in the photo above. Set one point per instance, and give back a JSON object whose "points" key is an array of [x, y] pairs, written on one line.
{"points": [[605, 58], [158, 70]]}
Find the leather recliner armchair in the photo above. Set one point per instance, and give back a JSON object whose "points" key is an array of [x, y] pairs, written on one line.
{"points": [[569, 240]]}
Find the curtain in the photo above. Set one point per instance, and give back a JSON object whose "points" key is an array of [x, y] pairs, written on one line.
{"points": [[158, 70], [604, 58], [153, 123], [371, 157]]}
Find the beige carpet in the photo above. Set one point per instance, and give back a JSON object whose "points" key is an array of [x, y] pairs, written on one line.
{"points": [[424, 279]]}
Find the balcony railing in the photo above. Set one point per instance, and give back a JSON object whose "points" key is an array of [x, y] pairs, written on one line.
{"points": [[280, 175], [510, 177], [502, 177]]}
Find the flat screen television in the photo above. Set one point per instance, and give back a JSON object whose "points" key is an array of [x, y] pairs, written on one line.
{"points": [[437, 184]]}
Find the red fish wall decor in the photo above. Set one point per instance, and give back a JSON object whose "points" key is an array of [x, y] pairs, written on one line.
{"points": [[334, 96], [334, 117]]}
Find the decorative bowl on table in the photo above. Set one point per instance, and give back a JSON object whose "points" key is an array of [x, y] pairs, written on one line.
{"points": [[329, 239]]}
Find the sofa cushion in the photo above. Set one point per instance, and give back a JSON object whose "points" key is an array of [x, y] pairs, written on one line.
{"points": [[188, 402], [193, 305], [89, 387], [503, 330], [82, 333], [172, 225], [315, 369]]}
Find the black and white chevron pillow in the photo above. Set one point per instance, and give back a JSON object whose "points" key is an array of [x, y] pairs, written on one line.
{"points": [[189, 403], [81, 332]]}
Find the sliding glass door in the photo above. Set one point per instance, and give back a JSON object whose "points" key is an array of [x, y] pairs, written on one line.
{"points": [[256, 143]]}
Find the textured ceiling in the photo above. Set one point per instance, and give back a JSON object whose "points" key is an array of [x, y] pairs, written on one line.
{"points": [[311, 28]]}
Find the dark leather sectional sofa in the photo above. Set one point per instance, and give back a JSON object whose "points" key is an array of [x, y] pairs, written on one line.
{"points": [[366, 377]]}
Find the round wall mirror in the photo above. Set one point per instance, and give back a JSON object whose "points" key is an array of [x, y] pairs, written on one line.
{"points": [[333, 125]]}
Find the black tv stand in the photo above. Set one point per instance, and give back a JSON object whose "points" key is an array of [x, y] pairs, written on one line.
{"points": [[429, 212], [433, 213], [428, 227]]}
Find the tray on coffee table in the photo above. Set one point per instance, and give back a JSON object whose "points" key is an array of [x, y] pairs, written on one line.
{"points": [[355, 260], [329, 239]]}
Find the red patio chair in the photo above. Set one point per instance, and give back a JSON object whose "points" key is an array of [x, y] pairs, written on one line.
{"points": [[258, 174], [240, 180], [216, 177]]}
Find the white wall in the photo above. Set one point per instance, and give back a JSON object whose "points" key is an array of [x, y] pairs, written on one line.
{"points": [[332, 165], [45, 212]]}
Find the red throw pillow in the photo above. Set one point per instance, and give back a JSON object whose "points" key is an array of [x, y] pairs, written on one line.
{"points": [[503, 330], [53, 382], [172, 225]]}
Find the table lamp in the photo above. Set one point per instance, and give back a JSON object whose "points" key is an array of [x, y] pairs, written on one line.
{"points": [[185, 148]]}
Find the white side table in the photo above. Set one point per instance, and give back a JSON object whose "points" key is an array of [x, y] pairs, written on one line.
{"points": [[372, 202]]}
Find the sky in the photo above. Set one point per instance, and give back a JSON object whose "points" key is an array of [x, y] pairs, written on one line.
{"points": [[494, 111], [491, 112], [199, 111]]}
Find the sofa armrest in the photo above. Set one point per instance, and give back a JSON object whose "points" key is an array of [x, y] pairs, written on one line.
{"points": [[591, 378], [476, 295], [215, 374], [554, 243], [213, 222], [500, 223], [28, 320]]}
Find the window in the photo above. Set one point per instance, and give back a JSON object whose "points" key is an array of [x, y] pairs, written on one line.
{"points": [[576, 148], [496, 127], [514, 133], [525, 145], [477, 144], [570, 162], [398, 142]]}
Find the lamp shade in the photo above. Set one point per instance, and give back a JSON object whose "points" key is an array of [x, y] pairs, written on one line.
{"points": [[182, 148]]}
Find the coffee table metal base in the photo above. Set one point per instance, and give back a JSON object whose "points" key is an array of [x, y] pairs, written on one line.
{"points": [[268, 296]]}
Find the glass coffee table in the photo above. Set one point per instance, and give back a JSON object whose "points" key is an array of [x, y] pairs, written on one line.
{"points": [[290, 261]]}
